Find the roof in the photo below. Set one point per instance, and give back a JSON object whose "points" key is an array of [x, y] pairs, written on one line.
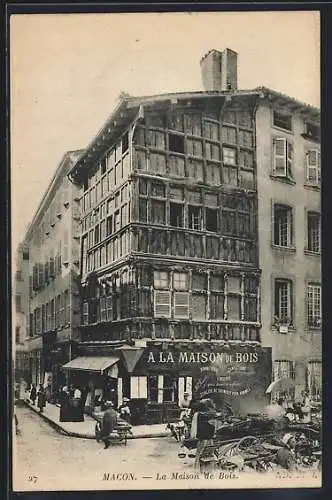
{"points": [[128, 107], [68, 159]]}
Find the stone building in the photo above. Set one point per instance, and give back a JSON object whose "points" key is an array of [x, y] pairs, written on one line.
{"points": [[288, 185], [20, 307], [52, 240]]}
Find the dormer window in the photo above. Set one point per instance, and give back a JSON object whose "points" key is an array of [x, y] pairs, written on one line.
{"points": [[312, 131], [282, 120]]}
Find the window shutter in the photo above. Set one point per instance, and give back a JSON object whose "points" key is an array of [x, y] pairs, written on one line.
{"points": [[40, 275], [160, 388], [189, 386], [181, 304], [109, 308], [30, 285], [290, 150], [181, 388], [162, 304], [52, 268], [313, 166], [46, 271], [65, 247], [134, 392], [142, 387], [103, 312], [280, 163], [85, 313]]}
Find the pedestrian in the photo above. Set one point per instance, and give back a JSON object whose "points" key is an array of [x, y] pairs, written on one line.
{"points": [[286, 455], [109, 422], [124, 410], [41, 399], [205, 430], [76, 405], [64, 405], [33, 394], [185, 403], [306, 407]]}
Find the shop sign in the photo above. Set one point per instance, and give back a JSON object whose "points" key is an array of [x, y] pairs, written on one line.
{"points": [[225, 372]]}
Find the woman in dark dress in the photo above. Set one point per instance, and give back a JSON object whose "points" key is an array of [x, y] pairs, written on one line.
{"points": [[41, 399], [64, 405]]}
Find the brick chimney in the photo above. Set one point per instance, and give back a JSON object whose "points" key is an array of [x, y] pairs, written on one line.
{"points": [[219, 70]]}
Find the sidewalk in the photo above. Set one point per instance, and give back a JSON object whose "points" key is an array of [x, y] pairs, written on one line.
{"points": [[86, 429]]}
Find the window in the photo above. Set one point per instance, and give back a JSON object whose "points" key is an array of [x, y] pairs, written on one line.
{"points": [[212, 151], [283, 225], [199, 281], [211, 219], [314, 305], [283, 301], [193, 125], [143, 210], [312, 131], [213, 174], [229, 156], [194, 147], [313, 232], [176, 143], [138, 387], [194, 217], [217, 306], [176, 215], [199, 306], [109, 223], [233, 307], [211, 131], [282, 120], [195, 169], [96, 237], [158, 212], [157, 163], [156, 139], [181, 304], [160, 279], [18, 303], [315, 379], [283, 369], [313, 167], [180, 281], [162, 304], [17, 335], [85, 313], [283, 158], [116, 221], [157, 189], [176, 166], [229, 135]]}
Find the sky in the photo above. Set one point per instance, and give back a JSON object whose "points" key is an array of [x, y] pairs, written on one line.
{"points": [[67, 70]]}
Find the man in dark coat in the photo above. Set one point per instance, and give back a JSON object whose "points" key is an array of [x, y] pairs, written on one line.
{"points": [[33, 394], [110, 419], [41, 399], [206, 413]]}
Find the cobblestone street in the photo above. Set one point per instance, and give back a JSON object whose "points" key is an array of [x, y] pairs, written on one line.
{"points": [[46, 460]]}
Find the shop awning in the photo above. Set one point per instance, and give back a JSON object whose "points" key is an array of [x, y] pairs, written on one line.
{"points": [[91, 363]]}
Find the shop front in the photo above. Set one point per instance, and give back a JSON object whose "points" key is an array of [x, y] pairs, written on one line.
{"points": [[231, 375]]}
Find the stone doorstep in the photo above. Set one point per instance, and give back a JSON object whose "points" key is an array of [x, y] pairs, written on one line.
{"points": [[62, 429]]}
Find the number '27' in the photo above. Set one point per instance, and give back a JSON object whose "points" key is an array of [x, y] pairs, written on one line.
{"points": [[32, 479]]}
